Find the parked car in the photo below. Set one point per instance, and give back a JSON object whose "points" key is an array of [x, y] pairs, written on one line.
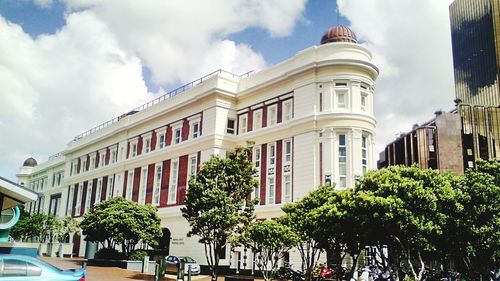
{"points": [[25, 268], [172, 263]]}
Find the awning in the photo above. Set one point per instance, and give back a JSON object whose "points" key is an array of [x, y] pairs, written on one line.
{"points": [[14, 194]]}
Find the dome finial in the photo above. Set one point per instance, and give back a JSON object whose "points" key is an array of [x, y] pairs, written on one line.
{"points": [[339, 33], [30, 162]]}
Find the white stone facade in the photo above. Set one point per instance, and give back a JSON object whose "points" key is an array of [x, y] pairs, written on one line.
{"points": [[311, 118]]}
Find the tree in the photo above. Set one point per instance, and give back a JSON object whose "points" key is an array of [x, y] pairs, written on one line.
{"points": [[478, 222], [269, 241], [302, 217], [217, 205], [67, 226], [120, 221], [30, 226], [339, 232], [408, 206]]}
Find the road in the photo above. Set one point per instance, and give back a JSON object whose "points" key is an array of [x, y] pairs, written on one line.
{"points": [[111, 273]]}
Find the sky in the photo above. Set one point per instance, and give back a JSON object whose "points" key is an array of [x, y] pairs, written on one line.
{"points": [[67, 66]]}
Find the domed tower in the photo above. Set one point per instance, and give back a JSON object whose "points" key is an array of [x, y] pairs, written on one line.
{"points": [[339, 33], [25, 171], [344, 106]]}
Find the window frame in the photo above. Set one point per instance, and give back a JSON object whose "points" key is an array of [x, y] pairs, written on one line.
{"points": [[272, 119], [174, 182]]}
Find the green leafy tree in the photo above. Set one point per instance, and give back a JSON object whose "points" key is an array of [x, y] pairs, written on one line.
{"points": [[339, 232], [269, 241], [405, 205], [120, 221], [67, 226], [477, 230], [217, 205], [302, 217], [31, 226]]}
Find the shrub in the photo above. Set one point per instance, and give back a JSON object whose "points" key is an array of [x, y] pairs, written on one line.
{"points": [[109, 254], [137, 255]]}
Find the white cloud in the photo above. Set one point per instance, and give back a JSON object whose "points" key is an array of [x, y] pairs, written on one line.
{"points": [[411, 44], [57, 85]]}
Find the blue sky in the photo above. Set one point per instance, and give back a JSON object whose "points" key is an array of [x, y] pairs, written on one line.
{"points": [[67, 66], [319, 15]]}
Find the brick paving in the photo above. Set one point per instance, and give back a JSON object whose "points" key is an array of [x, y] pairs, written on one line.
{"points": [[95, 273]]}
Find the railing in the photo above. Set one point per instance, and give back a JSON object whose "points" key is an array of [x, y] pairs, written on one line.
{"points": [[57, 155], [172, 93]]}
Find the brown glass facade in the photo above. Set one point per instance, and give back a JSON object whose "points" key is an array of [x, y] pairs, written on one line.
{"points": [[480, 133], [475, 33]]}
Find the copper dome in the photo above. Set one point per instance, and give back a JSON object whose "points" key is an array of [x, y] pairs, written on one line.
{"points": [[339, 33], [30, 162]]}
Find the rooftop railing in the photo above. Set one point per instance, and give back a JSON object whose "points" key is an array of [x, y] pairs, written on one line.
{"points": [[172, 93], [57, 155]]}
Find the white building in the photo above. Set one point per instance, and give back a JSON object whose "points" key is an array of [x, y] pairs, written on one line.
{"points": [[310, 116]]}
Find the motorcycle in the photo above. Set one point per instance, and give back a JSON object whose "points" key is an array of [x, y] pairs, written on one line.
{"points": [[323, 272], [288, 273]]}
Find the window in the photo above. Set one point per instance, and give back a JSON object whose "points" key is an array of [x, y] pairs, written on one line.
{"points": [[130, 184], [172, 189], [19, 268], [272, 154], [147, 145], [320, 102], [256, 153], [177, 134], [134, 149], [287, 196], [257, 119], [161, 141], [143, 186], [287, 110], [364, 154], [363, 102], [270, 191], [79, 199], [287, 147], [98, 191], [271, 115], [341, 99], [342, 161], [102, 160], [192, 166], [89, 197], [70, 199], [243, 124], [113, 156], [230, 126], [157, 185], [110, 187], [195, 131]]}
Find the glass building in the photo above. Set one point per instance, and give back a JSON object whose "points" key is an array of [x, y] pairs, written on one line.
{"points": [[475, 35], [475, 32]]}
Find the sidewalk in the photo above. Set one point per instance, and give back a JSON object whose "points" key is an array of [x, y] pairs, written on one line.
{"points": [[111, 273]]}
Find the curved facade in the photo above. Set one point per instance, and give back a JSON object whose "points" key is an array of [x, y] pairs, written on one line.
{"points": [[310, 116]]}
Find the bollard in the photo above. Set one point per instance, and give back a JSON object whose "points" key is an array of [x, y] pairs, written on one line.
{"points": [[180, 271], [189, 273], [145, 264], [157, 271]]}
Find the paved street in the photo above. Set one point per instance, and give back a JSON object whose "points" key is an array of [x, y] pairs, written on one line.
{"points": [[111, 273]]}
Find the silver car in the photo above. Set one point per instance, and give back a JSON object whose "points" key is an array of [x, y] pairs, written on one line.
{"points": [[172, 264]]}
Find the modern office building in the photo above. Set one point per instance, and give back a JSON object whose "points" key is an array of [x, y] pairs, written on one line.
{"points": [[310, 116], [475, 34], [440, 144], [435, 144]]}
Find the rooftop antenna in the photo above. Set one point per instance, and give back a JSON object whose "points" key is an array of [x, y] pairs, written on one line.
{"points": [[338, 14]]}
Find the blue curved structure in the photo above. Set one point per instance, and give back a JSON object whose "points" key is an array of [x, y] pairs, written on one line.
{"points": [[6, 226]]}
